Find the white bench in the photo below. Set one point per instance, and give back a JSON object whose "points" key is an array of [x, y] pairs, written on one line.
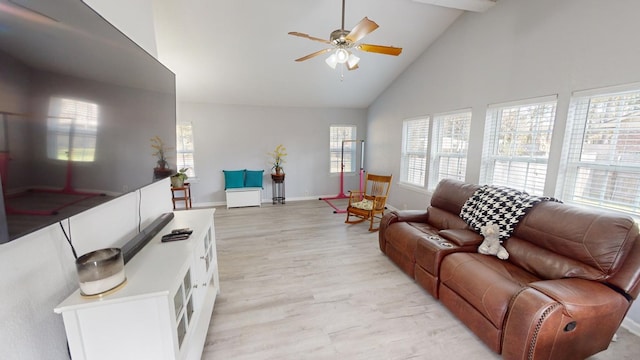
{"points": [[244, 196]]}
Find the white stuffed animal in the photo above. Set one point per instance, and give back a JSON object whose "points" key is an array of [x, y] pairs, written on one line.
{"points": [[491, 244]]}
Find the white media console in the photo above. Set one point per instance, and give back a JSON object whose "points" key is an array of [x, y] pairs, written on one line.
{"points": [[164, 308]]}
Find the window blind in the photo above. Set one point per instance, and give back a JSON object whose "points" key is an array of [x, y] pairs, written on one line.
{"points": [[72, 129], [415, 140], [517, 144], [602, 151], [185, 148], [449, 146], [338, 134]]}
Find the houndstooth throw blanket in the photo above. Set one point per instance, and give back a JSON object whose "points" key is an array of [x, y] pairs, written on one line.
{"points": [[499, 205]]}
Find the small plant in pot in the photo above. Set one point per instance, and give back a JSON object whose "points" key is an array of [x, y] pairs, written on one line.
{"points": [[177, 179], [160, 152], [278, 158]]}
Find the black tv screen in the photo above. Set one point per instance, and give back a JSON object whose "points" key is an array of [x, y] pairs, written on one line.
{"points": [[79, 104]]}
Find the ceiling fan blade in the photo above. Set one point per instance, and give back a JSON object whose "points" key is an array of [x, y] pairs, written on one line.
{"points": [[386, 50], [323, 51], [354, 67], [364, 27], [294, 33]]}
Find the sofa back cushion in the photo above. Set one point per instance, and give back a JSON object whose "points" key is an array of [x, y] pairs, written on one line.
{"points": [[450, 195], [441, 219], [556, 240]]}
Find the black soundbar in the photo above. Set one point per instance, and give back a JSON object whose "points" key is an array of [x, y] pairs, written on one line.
{"points": [[139, 241]]}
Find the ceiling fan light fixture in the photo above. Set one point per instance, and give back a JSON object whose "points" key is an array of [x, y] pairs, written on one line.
{"points": [[332, 61], [352, 61], [342, 56]]}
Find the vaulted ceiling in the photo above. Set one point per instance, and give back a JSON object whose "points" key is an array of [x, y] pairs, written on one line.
{"points": [[239, 51]]}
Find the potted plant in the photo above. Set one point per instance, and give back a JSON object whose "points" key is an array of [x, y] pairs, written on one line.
{"points": [[278, 158], [160, 149], [177, 179]]}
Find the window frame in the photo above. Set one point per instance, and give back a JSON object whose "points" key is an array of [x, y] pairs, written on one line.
{"points": [[437, 151], [491, 154], [409, 158], [184, 150], [571, 179], [336, 157]]}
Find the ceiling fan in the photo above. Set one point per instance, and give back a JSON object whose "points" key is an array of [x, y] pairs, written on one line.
{"points": [[343, 41]]}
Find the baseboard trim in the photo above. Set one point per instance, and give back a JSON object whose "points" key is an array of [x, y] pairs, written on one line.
{"points": [[631, 325]]}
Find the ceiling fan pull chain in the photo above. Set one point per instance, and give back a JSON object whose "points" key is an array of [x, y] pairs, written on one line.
{"points": [[342, 28]]}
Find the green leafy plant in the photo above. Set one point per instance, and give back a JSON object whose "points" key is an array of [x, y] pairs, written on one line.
{"points": [[182, 174]]}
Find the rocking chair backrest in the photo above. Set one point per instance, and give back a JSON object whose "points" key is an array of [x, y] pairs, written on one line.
{"points": [[378, 185]]}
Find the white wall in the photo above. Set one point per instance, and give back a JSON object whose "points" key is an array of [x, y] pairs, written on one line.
{"points": [[133, 17], [230, 137], [518, 49]]}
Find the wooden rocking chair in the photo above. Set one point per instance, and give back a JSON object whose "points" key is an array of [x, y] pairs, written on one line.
{"points": [[364, 205]]}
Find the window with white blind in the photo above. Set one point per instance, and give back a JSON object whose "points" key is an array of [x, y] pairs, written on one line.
{"points": [[517, 141], [601, 157], [342, 148], [72, 130], [185, 148], [449, 145], [415, 141]]}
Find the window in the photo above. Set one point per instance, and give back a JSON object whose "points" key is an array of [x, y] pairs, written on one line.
{"points": [[72, 130], [415, 140], [449, 142], [184, 148], [340, 135], [517, 142], [602, 150]]}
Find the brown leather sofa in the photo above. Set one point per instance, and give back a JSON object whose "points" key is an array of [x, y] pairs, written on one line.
{"points": [[570, 278]]}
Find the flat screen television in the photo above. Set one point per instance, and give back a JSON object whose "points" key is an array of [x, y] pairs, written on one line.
{"points": [[79, 104]]}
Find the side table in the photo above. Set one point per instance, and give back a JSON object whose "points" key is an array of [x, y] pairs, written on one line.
{"points": [[277, 188], [185, 191]]}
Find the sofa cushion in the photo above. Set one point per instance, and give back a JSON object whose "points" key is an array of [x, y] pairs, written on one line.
{"points": [[441, 219], [364, 204], [233, 179], [490, 289], [253, 178], [547, 264], [450, 195], [597, 241]]}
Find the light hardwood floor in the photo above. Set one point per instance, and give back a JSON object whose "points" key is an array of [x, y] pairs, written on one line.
{"points": [[298, 283]]}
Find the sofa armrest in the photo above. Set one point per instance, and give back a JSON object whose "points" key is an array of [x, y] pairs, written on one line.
{"points": [[398, 216], [561, 319], [420, 216], [461, 237]]}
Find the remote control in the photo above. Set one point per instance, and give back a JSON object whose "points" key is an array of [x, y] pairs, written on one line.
{"points": [[186, 231], [174, 237]]}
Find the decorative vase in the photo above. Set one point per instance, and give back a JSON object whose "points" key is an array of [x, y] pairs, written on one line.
{"points": [[278, 170]]}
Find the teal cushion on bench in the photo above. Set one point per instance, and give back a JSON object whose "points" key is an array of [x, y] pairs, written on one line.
{"points": [[253, 178], [233, 178]]}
